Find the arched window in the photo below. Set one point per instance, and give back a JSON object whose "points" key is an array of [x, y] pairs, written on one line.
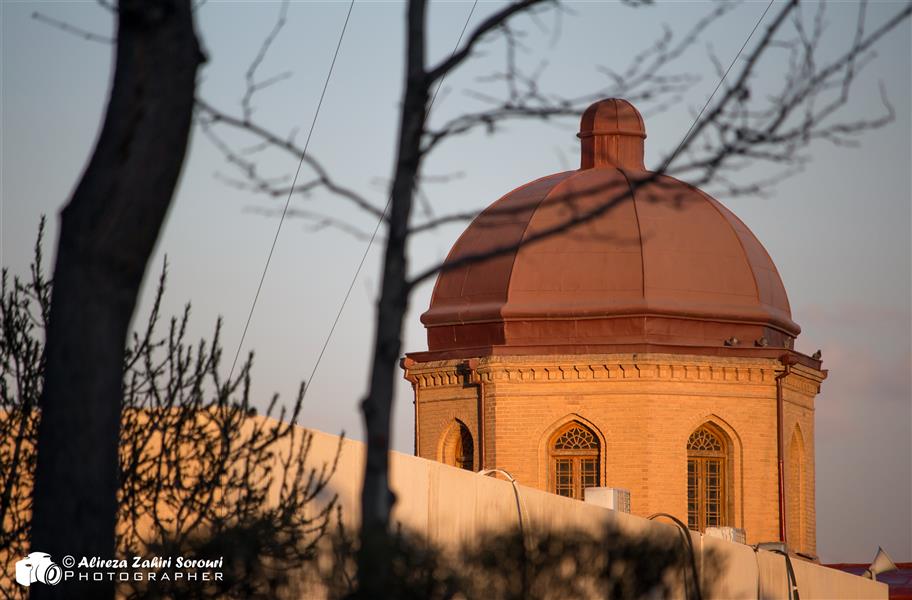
{"points": [[707, 479], [458, 448], [574, 461], [795, 492]]}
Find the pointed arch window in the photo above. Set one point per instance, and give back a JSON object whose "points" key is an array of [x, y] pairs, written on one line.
{"points": [[574, 461], [458, 448], [797, 501], [707, 479]]}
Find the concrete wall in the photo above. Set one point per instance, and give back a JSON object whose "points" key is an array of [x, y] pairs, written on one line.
{"points": [[453, 506]]}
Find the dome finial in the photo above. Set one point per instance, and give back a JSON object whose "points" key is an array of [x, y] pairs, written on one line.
{"points": [[612, 134]]}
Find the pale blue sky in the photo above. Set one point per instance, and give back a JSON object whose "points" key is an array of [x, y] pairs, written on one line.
{"points": [[839, 232]]}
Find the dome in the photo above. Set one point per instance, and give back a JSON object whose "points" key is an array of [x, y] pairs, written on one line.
{"points": [[653, 264]]}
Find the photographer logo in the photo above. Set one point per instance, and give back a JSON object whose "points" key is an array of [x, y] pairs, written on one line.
{"points": [[38, 566]]}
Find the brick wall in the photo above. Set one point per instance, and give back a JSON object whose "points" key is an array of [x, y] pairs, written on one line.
{"points": [[642, 408]]}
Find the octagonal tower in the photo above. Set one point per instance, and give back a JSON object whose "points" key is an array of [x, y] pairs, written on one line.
{"points": [[625, 330]]}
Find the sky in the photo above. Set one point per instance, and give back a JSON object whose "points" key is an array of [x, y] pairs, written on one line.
{"points": [[839, 232]]}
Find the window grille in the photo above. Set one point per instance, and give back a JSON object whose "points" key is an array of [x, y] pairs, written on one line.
{"points": [[707, 492], [574, 461]]}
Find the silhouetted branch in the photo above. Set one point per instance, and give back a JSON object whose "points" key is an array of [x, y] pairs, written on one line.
{"points": [[788, 121], [320, 178], [492, 23], [645, 81], [72, 29], [254, 86], [315, 221]]}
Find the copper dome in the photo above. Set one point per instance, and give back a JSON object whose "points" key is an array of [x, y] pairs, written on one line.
{"points": [[666, 268]]}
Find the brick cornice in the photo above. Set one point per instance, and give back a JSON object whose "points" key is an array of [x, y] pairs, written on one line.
{"points": [[616, 367]]}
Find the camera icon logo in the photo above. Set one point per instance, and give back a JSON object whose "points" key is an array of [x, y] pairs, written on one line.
{"points": [[38, 566]]}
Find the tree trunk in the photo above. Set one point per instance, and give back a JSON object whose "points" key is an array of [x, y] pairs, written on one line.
{"points": [[107, 233], [376, 497]]}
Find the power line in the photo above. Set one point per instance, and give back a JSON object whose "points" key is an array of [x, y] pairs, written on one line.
{"points": [[377, 227], [724, 75], [291, 189]]}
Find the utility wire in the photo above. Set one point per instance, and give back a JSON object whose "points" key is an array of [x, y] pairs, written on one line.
{"points": [[291, 190], [724, 75], [377, 227]]}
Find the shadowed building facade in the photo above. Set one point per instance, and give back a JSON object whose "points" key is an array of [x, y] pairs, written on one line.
{"points": [[648, 346]]}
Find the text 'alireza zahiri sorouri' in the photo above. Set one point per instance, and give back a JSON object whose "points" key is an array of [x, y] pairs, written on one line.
{"points": [[139, 568]]}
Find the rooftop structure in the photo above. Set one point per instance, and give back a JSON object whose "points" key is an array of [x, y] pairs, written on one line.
{"points": [[614, 327], [654, 264]]}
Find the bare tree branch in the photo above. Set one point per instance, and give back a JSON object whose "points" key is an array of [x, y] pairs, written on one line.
{"points": [[644, 82], [212, 116], [492, 23], [316, 221], [254, 86], [72, 29]]}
